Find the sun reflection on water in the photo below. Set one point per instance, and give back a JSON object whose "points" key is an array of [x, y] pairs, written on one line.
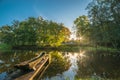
{"points": [[82, 56], [74, 57]]}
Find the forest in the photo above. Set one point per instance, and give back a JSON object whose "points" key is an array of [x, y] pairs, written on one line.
{"points": [[100, 28], [102, 25], [34, 32]]}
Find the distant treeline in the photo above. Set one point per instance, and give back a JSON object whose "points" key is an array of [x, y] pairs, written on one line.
{"points": [[34, 32], [102, 25]]}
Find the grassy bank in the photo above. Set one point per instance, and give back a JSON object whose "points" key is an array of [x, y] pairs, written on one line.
{"points": [[4, 47], [100, 48], [68, 48], [76, 48]]}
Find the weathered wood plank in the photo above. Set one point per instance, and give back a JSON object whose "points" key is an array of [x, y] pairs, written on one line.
{"points": [[39, 68], [30, 63]]}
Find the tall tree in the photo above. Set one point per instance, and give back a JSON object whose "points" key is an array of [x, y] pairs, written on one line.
{"points": [[6, 34], [82, 26], [52, 33], [35, 31], [104, 16]]}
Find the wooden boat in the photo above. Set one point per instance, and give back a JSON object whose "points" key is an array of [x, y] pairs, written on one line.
{"points": [[33, 69]]}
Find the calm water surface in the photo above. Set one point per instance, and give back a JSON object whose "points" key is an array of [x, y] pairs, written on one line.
{"points": [[85, 65]]}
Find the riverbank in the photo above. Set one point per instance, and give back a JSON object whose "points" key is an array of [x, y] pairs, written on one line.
{"points": [[5, 47], [69, 48]]}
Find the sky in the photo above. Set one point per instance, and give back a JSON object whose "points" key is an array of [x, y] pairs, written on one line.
{"points": [[60, 11]]}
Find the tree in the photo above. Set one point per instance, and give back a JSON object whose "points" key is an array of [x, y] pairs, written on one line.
{"points": [[35, 31], [24, 33], [6, 34], [104, 16], [82, 26], [52, 33]]}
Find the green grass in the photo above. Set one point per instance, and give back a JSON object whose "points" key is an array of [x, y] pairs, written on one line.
{"points": [[76, 48], [100, 48], [69, 48], [4, 47]]}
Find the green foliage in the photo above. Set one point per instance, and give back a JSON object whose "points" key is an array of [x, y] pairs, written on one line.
{"points": [[4, 47], [82, 25], [103, 25], [34, 31], [104, 16], [52, 34], [57, 65]]}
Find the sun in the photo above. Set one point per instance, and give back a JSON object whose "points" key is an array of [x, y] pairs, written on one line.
{"points": [[73, 37]]}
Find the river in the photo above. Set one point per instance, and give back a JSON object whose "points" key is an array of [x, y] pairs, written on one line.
{"points": [[82, 65]]}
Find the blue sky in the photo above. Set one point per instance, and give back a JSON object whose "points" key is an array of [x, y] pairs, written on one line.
{"points": [[61, 11]]}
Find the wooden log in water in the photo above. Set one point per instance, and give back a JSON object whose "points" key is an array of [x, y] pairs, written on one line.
{"points": [[40, 67], [28, 65]]}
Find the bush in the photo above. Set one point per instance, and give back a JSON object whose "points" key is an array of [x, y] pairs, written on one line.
{"points": [[4, 47]]}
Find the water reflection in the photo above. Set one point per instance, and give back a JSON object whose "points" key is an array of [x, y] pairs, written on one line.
{"points": [[99, 66], [69, 59], [57, 66], [82, 65], [89, 66], [8, 60], [70, 74]]}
